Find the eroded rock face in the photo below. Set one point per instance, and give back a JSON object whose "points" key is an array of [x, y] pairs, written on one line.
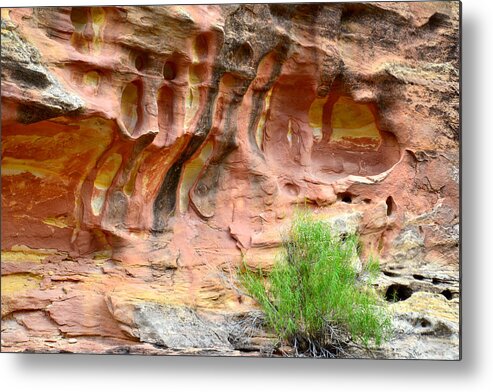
{"points": [[147, 150]]}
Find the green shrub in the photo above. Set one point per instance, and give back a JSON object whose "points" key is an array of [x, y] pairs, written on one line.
{"points": [[314, 297]]}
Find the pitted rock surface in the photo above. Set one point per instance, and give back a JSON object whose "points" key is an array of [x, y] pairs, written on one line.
{"points": [[148, 150]]}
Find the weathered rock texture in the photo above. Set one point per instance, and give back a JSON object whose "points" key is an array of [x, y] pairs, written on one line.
{"points": [[147, 150]]}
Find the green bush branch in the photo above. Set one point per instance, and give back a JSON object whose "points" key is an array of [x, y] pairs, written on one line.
{"points": [[314, 297]]}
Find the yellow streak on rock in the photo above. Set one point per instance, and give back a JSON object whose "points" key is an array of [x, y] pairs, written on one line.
{"points": [[130, 185], [190, 174], [129, 106], [102, 255], [315, 117], [259, 133], [182, 294], [98, 19], [193, 77], [91, 79], [103, 181], [107, 171], [352, 120], [435, 305], [138, 295], [367, 131], [197, 44], [13, 167], [191, 105], [5, 12], [63, 159], [18, 283], [22, 253], [98, 16], [101, 133], [60, 222], [57, 154]]}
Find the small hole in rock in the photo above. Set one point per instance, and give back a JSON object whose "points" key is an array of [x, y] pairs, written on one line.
{"points": [[437, 20], [390, 205], [436, 281], [367, 201], [244, 53], [418, 277], [139, 62], [389, 273], [398, 292], [346, 197], [447, 294], [169, 70], [79, 16], [423, 323]]}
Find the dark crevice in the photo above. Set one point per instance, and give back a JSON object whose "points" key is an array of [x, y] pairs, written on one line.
{"points": [[346, 197], [165, 202], [164, 205], [140, 62], [390, 274], [169, 70], [79, 15], [447, 294], [396, 267], [259, 96], [398, 292], [423, 323], [244, 54], [390, 205], [436, 21]]}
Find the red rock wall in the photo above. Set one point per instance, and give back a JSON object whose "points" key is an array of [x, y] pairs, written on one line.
{"points": [[147, 150]]}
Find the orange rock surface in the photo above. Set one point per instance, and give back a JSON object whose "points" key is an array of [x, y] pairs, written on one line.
{"points": [[147, 151]]}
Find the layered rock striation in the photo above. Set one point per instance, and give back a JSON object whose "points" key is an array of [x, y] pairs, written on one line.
{"points": [[147, 151]]}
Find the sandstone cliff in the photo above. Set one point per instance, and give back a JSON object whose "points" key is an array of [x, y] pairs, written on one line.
{"points": [[147, 150]]}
